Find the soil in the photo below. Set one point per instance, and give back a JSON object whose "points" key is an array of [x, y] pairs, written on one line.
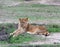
{"points": [[53, 38]]}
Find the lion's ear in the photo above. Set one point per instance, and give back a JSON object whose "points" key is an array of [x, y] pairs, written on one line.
{"points": [[26, 19], [19, 19]]}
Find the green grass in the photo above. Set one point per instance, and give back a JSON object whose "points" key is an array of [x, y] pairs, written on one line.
{"points": [[57, 45], [32, 11], [53, 28], [21, 38], [49, 45], [54, 45], [10, 27]]}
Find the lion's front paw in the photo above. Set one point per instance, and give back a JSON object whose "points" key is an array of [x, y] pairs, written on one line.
{"points": [[11, 33]]}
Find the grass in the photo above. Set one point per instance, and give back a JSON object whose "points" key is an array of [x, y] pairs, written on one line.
{"points": [[32, 11], [21, 39], [41, 45], [53, 28], [49, 46], [54, 45], [10, 27]]}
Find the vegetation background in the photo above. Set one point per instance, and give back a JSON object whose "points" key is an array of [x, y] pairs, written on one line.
{"points": [[46, 12]]}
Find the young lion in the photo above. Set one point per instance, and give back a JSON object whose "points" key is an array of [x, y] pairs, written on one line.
{"points": [[24, 26], [33, 29]]}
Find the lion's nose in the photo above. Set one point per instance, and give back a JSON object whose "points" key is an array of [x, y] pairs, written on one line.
{"points": [[47, 34]]}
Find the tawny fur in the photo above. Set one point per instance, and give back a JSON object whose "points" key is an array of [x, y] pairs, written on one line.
{"points": [[35, 29]]}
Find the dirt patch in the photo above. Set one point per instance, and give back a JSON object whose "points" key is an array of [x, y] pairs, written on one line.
{"points": [[15, 3], [54, 38]]}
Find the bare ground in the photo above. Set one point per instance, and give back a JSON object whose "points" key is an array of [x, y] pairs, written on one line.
{"points": [[54, 38], [15, 3]]}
